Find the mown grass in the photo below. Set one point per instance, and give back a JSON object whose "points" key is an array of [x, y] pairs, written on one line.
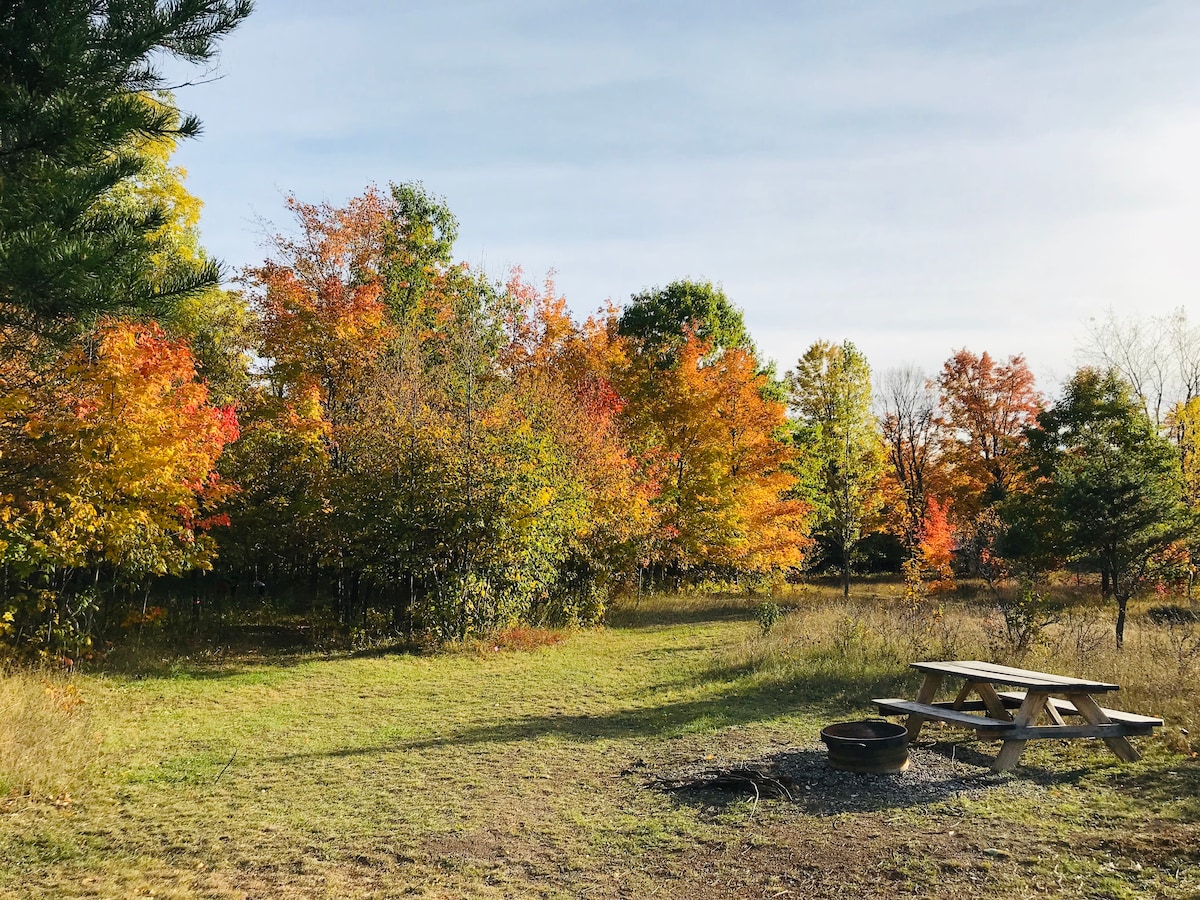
{"points": [[519, 767]]}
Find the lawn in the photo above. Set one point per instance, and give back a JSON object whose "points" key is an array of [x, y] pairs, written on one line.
{"points": [[501, 771]]}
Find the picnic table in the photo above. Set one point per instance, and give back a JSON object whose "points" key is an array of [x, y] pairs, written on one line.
{"points": [[1014, 716]]}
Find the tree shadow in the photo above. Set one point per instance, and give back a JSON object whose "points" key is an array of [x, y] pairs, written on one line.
{"points": [[656, 612], [239, 650], [750, 702], [1174, 783]]}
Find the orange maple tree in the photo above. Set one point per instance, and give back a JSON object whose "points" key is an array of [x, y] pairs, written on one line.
{"points": [[110, 466], [986, 407]]}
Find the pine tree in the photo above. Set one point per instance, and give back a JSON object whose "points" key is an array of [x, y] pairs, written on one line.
{"points": [[77, 96]]}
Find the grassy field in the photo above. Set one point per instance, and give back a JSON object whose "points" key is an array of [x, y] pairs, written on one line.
{"points": [[528, 769]]}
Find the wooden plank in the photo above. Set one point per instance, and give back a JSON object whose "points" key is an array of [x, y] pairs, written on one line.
{"points": [[995, 706], [1090, 710], [1080, 730], [1052, 711], [944, 711], [940, 713], [926, 693], [965, 706], [974, 670], [1027, 715], [963, 693], [1014, 698]]}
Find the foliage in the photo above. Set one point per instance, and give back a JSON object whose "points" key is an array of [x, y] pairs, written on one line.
{"points": [[769, 612], [712, 445], [659, 320], [1184, 427], [454, 449], [109, 467], [830, 392], [75, 79], [1111, 480], [986, 408], [937, 546], [1026, 616]]}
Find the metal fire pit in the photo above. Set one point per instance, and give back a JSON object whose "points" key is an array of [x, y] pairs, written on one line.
{"points": [[867, 746]]}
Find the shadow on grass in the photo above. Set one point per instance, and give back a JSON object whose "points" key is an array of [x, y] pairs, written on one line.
{"points": [[972, 752], [658, 611], [749, 702], [1171, 784], [238, 650]]}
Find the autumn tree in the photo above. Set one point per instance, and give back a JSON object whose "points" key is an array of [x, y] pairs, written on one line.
{"points": [[215, 321], [1111, 481], [110, 471], [830, 397], [1183, 426], [75, 77], [985, 409], [936, 546], [714, 443], [425, 440], [323, 319], [323, 328], [768, 529]]}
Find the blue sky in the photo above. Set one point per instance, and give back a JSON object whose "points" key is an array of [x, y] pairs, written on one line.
{"points": [[915, 177]]}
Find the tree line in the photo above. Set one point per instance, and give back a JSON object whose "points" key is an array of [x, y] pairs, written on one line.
{"points": [[369, 425]]}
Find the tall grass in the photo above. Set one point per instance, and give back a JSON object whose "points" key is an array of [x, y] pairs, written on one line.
{"points": [[46, 741], [875, 638]]}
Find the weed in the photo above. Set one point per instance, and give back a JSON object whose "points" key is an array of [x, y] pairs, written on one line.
{"points": [[769, 612]]}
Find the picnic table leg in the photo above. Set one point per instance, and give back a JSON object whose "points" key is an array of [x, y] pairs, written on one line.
{"points": [[1031, 708], [929, 689], [1054, 714], [1091, 711], [995, 706]]}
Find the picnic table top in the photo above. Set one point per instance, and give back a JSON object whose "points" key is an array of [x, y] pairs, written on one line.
{"points": [[974, 670]]}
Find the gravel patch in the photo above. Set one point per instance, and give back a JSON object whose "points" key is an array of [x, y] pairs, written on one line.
{"points": [[936, 772]]}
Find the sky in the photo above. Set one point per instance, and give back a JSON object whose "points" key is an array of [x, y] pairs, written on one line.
{"points": [[914, 177]]}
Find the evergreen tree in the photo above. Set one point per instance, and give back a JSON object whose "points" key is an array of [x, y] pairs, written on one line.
{"points": [[1111, 480], [77, 98]]}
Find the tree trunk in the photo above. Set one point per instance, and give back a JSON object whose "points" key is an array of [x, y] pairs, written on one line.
{"points": [[1122, 602]]}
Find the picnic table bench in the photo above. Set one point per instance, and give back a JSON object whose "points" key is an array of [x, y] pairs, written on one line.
{"points": [[1014, 716]]}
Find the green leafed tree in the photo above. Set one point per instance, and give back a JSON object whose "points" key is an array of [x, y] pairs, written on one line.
{"points": [[659, 320], [837, 433], [1112, 482], [77, 79]]}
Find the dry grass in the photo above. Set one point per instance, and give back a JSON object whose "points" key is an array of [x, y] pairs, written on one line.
{"points": [[46, 741], [878, 635], [523, 638]]}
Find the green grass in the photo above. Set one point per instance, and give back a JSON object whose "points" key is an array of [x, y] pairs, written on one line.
{"points": [[497, 773]]}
